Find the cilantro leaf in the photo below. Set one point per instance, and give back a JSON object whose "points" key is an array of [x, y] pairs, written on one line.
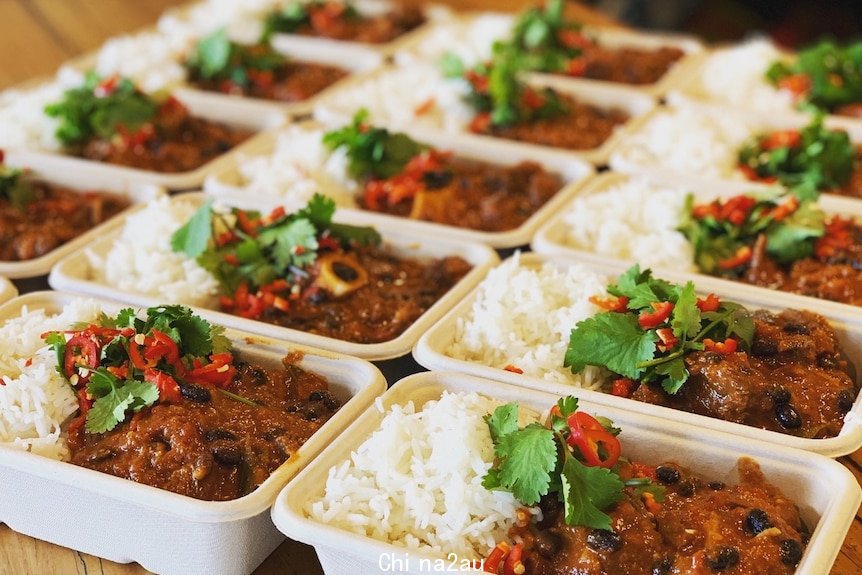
{"points": [[641, 288], [58, 341], [373, 152], [318, 211], [212, 53], [611, 340], [588, 490], [792, 239], [527, 458], [192, 239], [99, 109], [686, 315], [675, 374], [503, 421], [113, 399], [14, 188], [292, 244]]}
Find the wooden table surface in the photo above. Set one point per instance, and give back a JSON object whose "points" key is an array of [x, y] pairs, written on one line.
{"points": [[36, 36]]}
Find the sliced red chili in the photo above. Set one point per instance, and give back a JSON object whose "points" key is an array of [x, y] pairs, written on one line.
{"points": [[480, 123], [797, 84], [667, 340], [781, 139], [709, 303], [623, 387], [81, 351], [742, 256], [725, 347], [495, 558], [513, 369], [514, 564], [591, 438], [611, 303], [644, 470], [169, 389], [661, 312]]}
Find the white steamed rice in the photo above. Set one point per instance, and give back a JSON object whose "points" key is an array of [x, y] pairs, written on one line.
{"points": [[416, 482], [298, 167], [393, 97], [523, 316], [35, 399], [736, 76], [697, 140], [634, 221], [471, 39], [141, 260]]}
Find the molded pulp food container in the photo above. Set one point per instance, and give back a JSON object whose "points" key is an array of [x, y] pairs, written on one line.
{"points": [[609, 37], [233, 112], [551, 237], [7, 290], [431, 352], [165, 532], [339, 106], [229, 183], [138, 193], [73, 274], [825, 491]]}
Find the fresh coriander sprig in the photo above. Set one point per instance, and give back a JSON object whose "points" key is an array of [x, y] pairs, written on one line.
{"points": [[101, 108], [14, 188], [815, 156], [373, 152], [257, 252], [575, 457], [653, 325], [723, 232]]}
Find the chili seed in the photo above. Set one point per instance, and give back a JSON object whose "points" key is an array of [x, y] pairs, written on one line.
{"points": [[604, 540], [787, 416], [845, 400], [715, 485], [666, 474], [757, 521], [548, 544], [790, 551], [725, 558]]}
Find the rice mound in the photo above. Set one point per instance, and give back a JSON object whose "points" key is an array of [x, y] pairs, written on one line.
{"points": [[392, 98], [689, 139], [35, 399], [634, 221], [737, 76], [299, 166], [141, 259], [416, 482], [523, 316]]}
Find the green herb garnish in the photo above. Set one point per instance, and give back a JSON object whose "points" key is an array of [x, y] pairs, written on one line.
{"points": [[14, 188], [100, 109], [295, 16], [825, 76], [264, 249], [652, 326], [373, 152], [723, 233], [814, 156], [217, 59], [120, 379], [543, 40], [498, 93], [537, 460]]}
